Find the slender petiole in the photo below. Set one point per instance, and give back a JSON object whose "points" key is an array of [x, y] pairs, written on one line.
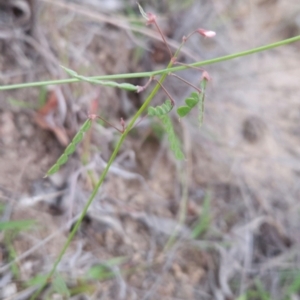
{"points": [[164, 39], [171, 99], [111, 125], [186, 82], [142, 88]]}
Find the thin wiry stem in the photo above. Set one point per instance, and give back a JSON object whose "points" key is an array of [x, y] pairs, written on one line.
{"points": [[165, 90], [98, 117], [188, 66], [154, 73], [101, 179], [164, 39], [99, 183], [186, 82]]}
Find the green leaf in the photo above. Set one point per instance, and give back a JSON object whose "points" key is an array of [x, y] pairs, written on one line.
{"points": [[195, 96], [191, 102], [86, 125], [124, 86], [173, 139], [60, 286], [168, 105], [62, 160], [52, 170], [151, 111], [77, 138], [182, 111], [70, 149], [100, 273], [160, 110]]}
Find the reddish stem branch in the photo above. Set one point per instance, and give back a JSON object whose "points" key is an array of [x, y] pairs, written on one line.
{"points": [[121, 131], [142, 118], [164, 39], [186, 82], [171, 99], [142, 88]]}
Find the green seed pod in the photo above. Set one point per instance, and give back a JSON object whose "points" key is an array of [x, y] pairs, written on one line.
{"points": [[127, 87]]}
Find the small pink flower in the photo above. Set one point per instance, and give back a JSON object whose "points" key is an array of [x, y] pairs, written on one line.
{"points": [[122, 122], [206, 33], [151, 18], [205, 76], [92, 116]]}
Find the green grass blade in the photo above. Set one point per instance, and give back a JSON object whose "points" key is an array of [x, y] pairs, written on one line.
{"points": [[60, 286], [17, 225], [102, 271]]}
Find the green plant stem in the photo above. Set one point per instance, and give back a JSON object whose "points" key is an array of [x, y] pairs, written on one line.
{"points": [[99, 183], [154, 73], [130, 125]]}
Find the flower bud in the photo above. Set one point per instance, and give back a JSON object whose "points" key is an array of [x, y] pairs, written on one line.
{"points": [[206, 33]]}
